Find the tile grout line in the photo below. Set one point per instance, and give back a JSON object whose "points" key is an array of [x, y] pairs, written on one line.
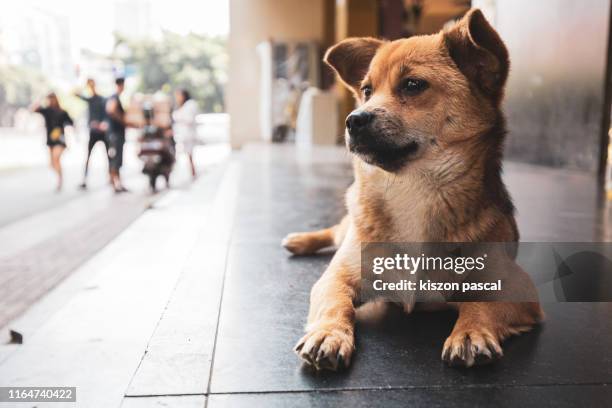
{"points": [[367, 389], [214, 349], [230, 229]]}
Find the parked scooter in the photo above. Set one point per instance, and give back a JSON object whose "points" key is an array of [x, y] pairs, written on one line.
{"points": [[157, 150]]}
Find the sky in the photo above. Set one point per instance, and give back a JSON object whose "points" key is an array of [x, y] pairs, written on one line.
{"points": [[92, 21]]}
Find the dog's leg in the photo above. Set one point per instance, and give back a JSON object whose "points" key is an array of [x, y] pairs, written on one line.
{"points": [[329, 339], [304, 243], [482, 326]]}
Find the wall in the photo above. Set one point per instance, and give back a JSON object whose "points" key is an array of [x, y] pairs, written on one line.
{"points": [[555, 94], [251, 22]]}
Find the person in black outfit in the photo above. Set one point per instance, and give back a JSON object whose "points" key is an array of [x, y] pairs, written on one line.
{"points": [[97, 122], [56, 119], [116, 135]]}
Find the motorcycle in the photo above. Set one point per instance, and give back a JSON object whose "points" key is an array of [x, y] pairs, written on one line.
{"points": [[157, 151]]}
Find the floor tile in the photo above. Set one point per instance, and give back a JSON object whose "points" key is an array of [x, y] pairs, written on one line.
{"points": [[178, 356], [538, 396]]}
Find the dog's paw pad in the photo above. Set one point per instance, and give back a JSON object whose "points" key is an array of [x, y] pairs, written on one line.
{"points": [[326, 349], [471, 347]]}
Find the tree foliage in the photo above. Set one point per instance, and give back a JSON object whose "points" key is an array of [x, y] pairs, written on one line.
{"points": [[195, 62]]}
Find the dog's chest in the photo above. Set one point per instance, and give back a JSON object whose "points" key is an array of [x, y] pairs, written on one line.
{"points": [[395, 213]]}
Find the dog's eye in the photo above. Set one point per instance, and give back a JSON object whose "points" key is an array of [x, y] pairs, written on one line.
{"points": [[367, 91], [413, 86]]}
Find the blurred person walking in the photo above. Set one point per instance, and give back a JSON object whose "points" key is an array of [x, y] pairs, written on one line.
{"points": [[184, 126], [116, 135], [98, 126], [56, 119]]}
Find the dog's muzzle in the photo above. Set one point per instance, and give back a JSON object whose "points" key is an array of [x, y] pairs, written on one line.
{"points": [[368, 141]]}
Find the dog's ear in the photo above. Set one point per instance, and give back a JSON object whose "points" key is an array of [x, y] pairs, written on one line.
{"points": [[351, 58], [479, 53]]}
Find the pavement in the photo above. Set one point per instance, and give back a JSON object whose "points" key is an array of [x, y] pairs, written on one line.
{"points": [[46, 235], [195, 304]]}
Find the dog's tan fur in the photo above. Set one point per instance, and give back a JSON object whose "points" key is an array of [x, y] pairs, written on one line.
{"points": [[450, 190]]}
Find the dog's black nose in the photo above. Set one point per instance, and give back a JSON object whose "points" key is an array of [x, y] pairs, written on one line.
{"points": [[358, 120]]}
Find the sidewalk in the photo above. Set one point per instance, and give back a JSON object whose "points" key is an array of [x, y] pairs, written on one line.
{"points": [[46, 235], [196, 304], [96, 338]]}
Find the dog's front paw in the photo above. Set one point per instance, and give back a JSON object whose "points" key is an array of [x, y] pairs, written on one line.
{"points": [[468, 347], [326, 348]]}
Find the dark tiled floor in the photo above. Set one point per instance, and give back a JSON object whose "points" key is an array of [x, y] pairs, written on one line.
{"points": [[566, 362], [563, 363]]}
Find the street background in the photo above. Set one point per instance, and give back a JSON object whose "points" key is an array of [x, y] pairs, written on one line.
{"points": [[45, 234], [158, 47]]}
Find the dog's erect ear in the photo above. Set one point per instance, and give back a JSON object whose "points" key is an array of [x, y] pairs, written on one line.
{"points": [[479, 53], [351, 58]]}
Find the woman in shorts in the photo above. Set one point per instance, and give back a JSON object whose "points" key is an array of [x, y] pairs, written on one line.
{"points": [[56, 119]]}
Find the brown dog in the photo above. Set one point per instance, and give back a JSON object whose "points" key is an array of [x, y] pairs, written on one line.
{"points": [[427, 143]]}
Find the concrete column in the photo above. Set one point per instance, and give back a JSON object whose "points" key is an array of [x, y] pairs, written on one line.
{"points": [[251, 22]]}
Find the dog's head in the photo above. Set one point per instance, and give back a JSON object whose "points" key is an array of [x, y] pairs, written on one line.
{"points": [[419, 95]]}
